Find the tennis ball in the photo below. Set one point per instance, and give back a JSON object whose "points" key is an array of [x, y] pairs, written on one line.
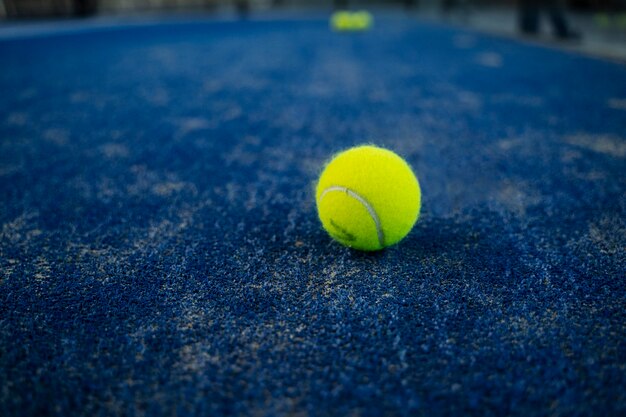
{"points": [[368, 198], [344, 20], [361, 20], [341, 20]]}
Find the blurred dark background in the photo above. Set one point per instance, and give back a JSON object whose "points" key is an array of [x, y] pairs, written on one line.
{"points": [[594, 27], [10, 9]]}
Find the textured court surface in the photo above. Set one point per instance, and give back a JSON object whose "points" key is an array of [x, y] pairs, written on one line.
{"points": [[160, 252]]}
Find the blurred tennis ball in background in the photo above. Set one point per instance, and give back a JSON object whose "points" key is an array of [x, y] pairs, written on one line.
{"points": [[344, 20], [361, 20], [341, 20]]}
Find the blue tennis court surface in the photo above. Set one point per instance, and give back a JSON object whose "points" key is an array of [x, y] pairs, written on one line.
{"points": [[160, 251]]}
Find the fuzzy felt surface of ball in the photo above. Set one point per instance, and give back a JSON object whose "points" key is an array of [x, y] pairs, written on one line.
{"points": [[368, 198]]}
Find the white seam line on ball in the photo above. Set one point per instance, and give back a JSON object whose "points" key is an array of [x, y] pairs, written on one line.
{"points": [[366, 204]]}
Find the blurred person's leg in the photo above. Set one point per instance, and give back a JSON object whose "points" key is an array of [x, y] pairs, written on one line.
{"points": [[529, 15], [460, 8], [85, 7], [243, 8], [562, 30], [340, 4], [447, 6], [411, 4]]}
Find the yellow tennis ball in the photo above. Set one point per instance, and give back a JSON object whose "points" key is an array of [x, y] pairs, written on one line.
{"points": [[368, 198], [341, 20], [361, 20]]}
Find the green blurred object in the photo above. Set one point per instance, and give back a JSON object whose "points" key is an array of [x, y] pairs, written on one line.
{"points": [[343, 20], [606, 21], [362, 20], [602, 20], [340, 20]]}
